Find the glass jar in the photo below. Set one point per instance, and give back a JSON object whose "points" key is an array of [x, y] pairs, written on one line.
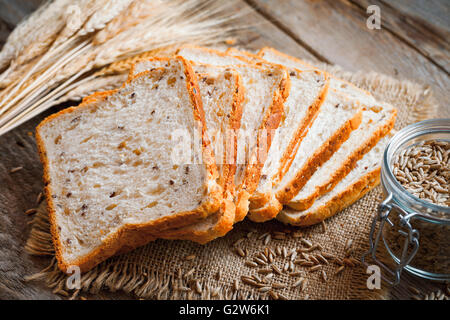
{"points": [[402, 218]]}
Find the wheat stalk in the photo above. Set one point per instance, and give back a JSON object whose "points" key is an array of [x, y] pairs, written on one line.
{"points": [[83, 17], [38, 84], [107, 78], [31, 38], [23, 35], [101, 35], [107, 11], [134, 14], [70, 90]]}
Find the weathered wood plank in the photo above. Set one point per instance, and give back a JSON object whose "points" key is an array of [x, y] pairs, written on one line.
{"points": [[4, 32], [430, 39], [433, 12], [261, 33], [337, 31], [12, 12]]}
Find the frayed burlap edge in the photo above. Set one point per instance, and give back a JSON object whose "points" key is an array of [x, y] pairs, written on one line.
{"points": [[143, 282], [138, 281]]}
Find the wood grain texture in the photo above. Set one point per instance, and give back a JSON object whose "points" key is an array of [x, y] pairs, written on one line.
{"points": [[12, 12], [4, 32], [262, 32], [336, 29], [428, 38], [434, 12]]}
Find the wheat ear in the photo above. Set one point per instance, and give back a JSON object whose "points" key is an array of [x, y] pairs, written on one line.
{"points": [[76, 53], [32, 37]]}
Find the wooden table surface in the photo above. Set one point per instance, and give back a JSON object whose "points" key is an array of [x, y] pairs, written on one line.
{"points": [[413, 43]]}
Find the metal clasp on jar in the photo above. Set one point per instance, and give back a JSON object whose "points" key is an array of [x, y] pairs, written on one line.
{"points": [[411, 242]]}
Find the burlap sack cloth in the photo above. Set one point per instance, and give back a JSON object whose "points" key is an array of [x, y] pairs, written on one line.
{"points": [[153, 271]]}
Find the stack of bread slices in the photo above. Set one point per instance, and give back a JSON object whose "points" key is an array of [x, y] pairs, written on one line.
{"points": [[192, 144]]}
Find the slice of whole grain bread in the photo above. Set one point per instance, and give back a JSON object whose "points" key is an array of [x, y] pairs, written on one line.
{"points": [[377, 121], [363, 178], [337, 118], [308, 91], [266, 89], [222, 94], [111, 182]]}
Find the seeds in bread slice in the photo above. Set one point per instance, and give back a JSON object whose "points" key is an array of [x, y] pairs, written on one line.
{"points": [[222, 94], [337, 118], [266, 89], [243, 54], [111, 178], [336, 83], [377, 121], [308, 91], [363, 178]]}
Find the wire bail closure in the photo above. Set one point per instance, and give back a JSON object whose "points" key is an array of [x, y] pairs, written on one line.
{"points": [[411, 239]]}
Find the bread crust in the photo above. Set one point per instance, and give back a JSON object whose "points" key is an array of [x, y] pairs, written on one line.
{"points": [[267, 212], [226, 213], [131, 235], [132, 73], [224, 223], [259, 200], [241, 53], [270, 123], [348, 165], [215, 52], [339, 202], [284, 55], [324, 153], [297, 60]]}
